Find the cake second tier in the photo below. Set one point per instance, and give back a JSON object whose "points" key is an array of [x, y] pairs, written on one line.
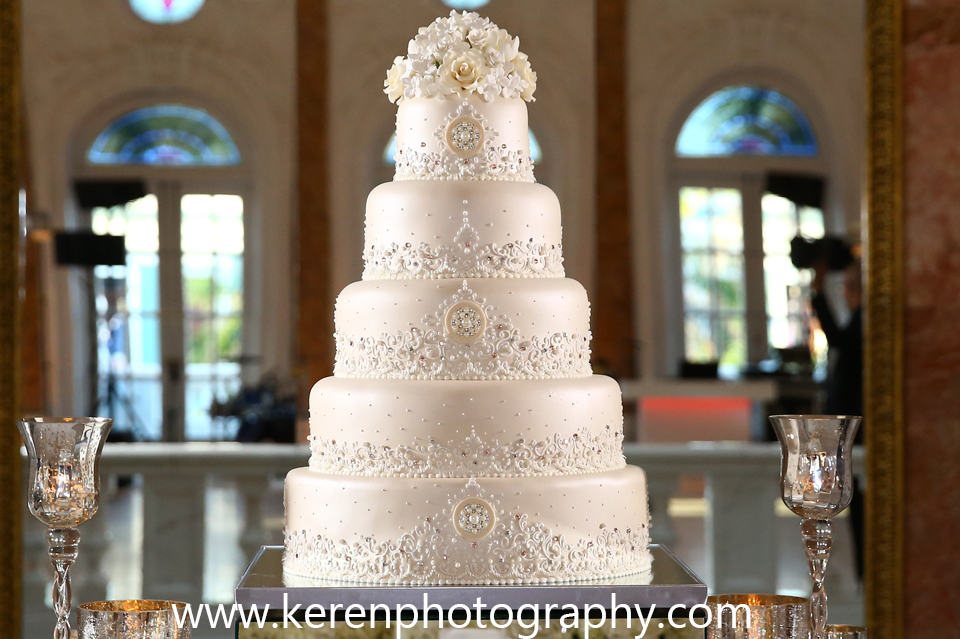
{"points": [[485, 530], [462, 228], [470, 329]]}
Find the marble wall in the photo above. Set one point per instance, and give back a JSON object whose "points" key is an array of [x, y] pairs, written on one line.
{"points": [[932, 301]]}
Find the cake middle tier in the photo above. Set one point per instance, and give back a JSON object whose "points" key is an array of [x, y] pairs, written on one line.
{"points": [[470, 329], [462, 228], [502, 428]]}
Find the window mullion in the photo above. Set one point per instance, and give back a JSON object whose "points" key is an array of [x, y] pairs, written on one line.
{"points": [[171, 310], [756, 309]]}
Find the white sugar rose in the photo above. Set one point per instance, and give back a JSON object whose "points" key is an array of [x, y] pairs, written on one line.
{"points": [[527, 74], [393, 85], [462, 71], [462, 55]]}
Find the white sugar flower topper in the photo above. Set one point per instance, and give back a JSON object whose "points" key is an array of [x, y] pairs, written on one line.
{"points": [[462, 55]]}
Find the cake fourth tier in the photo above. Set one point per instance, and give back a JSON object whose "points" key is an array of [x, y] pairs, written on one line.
{"points": [[485, 530], [463, 329], [499, 428]]}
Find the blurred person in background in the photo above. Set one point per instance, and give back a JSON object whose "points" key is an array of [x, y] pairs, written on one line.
{"points": [[845, 376]]}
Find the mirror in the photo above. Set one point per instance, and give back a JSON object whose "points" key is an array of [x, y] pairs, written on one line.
{"points": [[230, 272]]}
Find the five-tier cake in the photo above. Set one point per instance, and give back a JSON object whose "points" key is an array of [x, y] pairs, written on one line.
{"points": [[463, 438]]}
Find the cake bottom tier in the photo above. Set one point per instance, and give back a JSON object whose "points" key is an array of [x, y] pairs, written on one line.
{"points": [[484, 530]]}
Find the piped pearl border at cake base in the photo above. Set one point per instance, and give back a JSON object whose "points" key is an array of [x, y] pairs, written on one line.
{"points": [[516, 550]]}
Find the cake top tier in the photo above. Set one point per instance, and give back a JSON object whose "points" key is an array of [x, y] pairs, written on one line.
{"points": [[459, 56], [461, 114]]}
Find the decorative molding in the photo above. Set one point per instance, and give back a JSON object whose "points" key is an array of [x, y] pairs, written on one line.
{"points": [[581, 452], [11, 505], [516, 550], [883, 336]]}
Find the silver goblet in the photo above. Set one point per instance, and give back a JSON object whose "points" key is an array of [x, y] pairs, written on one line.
{"points": [[816, 480], [63, 491]]}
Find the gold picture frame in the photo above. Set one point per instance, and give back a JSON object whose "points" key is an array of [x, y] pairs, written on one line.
{"points": [[883, 326], [10, 503], [883, 305]]}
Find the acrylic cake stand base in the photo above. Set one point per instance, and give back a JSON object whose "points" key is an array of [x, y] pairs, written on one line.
{"points": [[672, 584]]}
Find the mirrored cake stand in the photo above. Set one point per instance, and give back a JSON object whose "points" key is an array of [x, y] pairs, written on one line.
{"points": [[671, 584]]}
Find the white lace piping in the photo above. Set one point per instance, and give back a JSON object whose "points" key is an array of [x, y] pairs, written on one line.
{"points": [[581, 452], [516, 550]]}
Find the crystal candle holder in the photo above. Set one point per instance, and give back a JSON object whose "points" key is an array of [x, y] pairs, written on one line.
{"points": [[846, 632], [758, 616], [816, 481], [130, 619], [63, 491]]}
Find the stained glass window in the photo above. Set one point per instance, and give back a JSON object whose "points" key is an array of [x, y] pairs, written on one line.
{"points": [[465, 5], [166, 11], [390, 151], [747, 120], [166, 135]]}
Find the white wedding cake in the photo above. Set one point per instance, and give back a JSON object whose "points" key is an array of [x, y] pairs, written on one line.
{"points": [[463, 438]]}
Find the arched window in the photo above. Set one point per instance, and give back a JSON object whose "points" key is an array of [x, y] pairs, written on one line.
{"points": [[168, 135], [465, 5], [746, 120], [734, 225], [192, 222], [166, 11], [390, 150]]}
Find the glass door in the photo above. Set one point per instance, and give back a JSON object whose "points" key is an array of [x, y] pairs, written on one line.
{"points": [[127, 303], [170, 322], [742, 298], [714, 285], [211, 241]]}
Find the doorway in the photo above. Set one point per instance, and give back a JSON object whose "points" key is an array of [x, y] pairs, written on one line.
{"points": [[169, 324]]}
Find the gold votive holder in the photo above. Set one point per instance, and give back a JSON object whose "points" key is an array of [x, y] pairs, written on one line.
{"points": [[846, 632], [130, 619], [758, 617]]}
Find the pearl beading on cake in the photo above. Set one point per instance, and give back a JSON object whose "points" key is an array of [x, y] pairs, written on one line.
{"points": [[466, 257], [516, 550], [474, 518], [432, 353], [466, 322], [581, 452], [492, 161]]}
